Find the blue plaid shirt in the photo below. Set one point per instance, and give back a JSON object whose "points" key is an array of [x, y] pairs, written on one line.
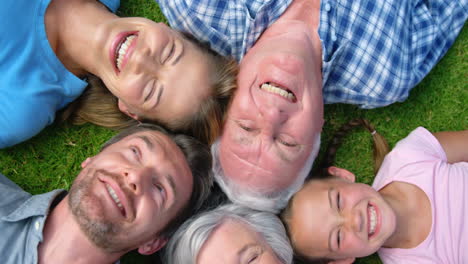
{"points": [[373, 51]]}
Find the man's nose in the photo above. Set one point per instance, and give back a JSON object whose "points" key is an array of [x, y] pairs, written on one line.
{"points": [[273, 115], [136, 179]]}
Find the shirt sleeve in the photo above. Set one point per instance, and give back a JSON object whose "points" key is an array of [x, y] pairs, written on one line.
{"points": [[21, 121], [411, 156], [113, 5], [419, 145]]}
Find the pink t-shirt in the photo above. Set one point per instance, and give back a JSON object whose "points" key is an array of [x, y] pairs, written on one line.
{"points": [[419, 159]]}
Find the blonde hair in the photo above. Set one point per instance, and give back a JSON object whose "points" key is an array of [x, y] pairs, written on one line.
{"points": [[99, 106]]}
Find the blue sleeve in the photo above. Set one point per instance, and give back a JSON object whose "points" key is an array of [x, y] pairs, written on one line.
{"points": [[20, 123], [113, 5]]}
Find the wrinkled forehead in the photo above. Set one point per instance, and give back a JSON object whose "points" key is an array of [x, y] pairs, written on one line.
{"points": [[255, 168]]}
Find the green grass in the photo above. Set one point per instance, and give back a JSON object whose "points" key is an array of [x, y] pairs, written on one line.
{"points": [[52, 159]]}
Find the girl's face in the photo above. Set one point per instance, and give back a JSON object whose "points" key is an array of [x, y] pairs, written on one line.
{"points": [[154, 71], [339, 219]]}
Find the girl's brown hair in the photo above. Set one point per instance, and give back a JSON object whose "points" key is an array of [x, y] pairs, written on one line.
{"points": [[380, 144], [99, 106]]}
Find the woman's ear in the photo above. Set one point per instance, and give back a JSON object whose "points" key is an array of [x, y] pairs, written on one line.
{"points": [[342, 261], [152, 246], [342, 173], [124, 109]]}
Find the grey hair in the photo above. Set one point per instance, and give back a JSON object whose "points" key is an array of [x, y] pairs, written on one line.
{"points": [[185, 245], [264, 201]]}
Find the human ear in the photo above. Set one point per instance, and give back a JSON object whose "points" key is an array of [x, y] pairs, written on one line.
{"points": [[85, 162], [342, 173], [152, 246], [124, 109], [342, 261]]}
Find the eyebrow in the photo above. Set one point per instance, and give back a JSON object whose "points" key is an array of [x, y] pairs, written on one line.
{"points": [[147, 141], [172, 185]]}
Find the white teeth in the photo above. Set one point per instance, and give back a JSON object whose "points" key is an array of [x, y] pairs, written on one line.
{"points": [[123, 50], [114, 196], [278, 90], [372, 219]]}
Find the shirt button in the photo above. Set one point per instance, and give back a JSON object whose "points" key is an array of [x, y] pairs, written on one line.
{"points": [[327, 7], [37, 225]]}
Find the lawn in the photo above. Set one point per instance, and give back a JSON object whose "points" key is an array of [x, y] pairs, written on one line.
{"points": [[52, 159]]}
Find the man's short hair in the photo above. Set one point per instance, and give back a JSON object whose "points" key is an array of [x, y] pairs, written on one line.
{"points": [[272, 201], [185, 245], [199, 161]]}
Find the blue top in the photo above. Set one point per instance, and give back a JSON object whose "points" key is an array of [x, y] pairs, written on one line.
{"points": [[22, 218], [34, 83], [373, 52]]}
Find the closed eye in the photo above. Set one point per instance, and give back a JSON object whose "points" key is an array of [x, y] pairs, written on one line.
{"points": [[246, 128], [253, 258], [338, 200], [171, 53], [338, 238], [148, 96], [149, 90], [287, 144]]}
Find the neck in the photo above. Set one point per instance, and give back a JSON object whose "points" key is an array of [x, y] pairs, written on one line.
{"points": [[413, 214], [307, 11], [394, 240], [64, 242], [72, 27], [307, 14]]}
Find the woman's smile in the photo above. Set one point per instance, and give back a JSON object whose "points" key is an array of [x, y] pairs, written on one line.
{"points": [[121, 49]]}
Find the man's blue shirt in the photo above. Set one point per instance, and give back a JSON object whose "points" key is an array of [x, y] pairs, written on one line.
{"points": [[22, 218], [373, 52]]}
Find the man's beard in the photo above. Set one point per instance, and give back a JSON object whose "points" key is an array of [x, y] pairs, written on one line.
{"points": [[88, 211]]}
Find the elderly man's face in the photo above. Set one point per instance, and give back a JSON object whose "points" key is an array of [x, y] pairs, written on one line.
{"points": [[276, 112], [234, 242], [130, 191]]}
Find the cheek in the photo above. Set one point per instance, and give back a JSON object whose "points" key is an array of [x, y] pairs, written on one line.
{"points": [[355, 246]]}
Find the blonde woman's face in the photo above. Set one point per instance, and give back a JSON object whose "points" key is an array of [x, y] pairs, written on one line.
{"points": [[236, 243], [154, 71]]}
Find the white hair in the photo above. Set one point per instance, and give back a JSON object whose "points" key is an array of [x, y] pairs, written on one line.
{"points": [[264, 201], [185, 244]]}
